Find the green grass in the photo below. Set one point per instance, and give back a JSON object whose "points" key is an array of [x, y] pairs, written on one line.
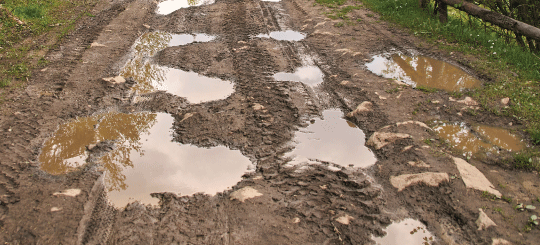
{"points": [[526, 161], [498, 59], [44, 22]]}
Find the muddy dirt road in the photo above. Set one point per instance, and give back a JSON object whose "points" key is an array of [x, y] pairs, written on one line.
{"points": [[251, 122]]}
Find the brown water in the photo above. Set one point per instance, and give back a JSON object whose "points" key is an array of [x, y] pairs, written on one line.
{"points": [[144, 159], [309, 74], [406, 232], [487, 138], [422, 71], [151, 77], [332, 139]]}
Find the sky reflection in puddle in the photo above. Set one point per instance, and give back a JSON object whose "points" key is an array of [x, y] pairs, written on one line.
{"points": [[151, 77], [422, 71], [169, 6], [309, 74], [144, 159], [288, 35], [406, 232], [331, 139]]}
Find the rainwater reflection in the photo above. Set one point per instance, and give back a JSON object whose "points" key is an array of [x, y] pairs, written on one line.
{"points": [[150, 77], [288, 35], [481, 139], [144, 159], [332, 139], [422, 71], [406, 232], [309, 74], [169, 6]]}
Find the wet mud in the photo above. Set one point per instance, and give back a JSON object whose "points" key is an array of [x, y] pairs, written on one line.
{"points": [[240, 136]]}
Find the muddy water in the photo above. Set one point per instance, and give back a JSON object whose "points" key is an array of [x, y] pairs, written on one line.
{"points": [[331, 139], [483, 138], [151, 77], [422, 71], [144, 159], [169, 6], [309, 74], [406, 232], [288, 35]]}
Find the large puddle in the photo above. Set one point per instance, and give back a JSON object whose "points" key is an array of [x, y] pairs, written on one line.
{"points": [[331, 139], [288, 35], [144, 159], [406, 232], [479, 138], [151, 77], [169, 6], [422, 71]]}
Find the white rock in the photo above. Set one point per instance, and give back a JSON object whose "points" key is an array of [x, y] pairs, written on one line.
{"points": [[245, 193], [381, 139], [505, 101], [344, 82], [95, 44], [296, 220], [115, 80], [419, 164], [421, 124], [473, 178], [406, 148], [68, 192], [365, 106], [483, 222], [346, 219], [468, 101], [500, 241], [55, 209], [146, 26], [435, 102], [429, 178]]}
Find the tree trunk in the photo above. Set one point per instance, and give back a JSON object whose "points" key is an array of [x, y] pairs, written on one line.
{"points": [[500, 20], [442, 9], [423, 3]]}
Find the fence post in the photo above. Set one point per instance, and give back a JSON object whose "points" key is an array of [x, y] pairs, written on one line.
{"points": [[442, 9]]}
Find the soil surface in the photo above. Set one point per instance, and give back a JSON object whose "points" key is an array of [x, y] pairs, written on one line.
{"points": [[312, 203]]}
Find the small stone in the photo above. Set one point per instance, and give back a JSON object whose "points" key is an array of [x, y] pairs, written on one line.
{"points": [[91, 147], [505, 101], [364, 107], [429, 178], [296, 220], [55, 209], [68, 192], [257, 106], [435, 102], [398, 82], [500, 241], [483, 222], [44, 69], [345, 82], [186, 116], [406, 148], [95, 44], [146, 26], [346, 219], [244, 194], [381, 139]]}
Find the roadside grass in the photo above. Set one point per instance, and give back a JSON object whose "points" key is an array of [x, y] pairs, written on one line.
{"points": [[513, 72], [337, 12], [29, 28]]}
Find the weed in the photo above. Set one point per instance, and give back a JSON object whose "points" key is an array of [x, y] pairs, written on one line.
{"points": [[89, 14], [393, 90], [339, 24], [488, 195], [30, 12], [426, 89], [535, 135], [526, 161], [506, 199], [4, 83], [498, 210], [502, 185], [427, 141]]}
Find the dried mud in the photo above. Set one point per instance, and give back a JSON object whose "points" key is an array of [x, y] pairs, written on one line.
{"points": [[321, 203]]}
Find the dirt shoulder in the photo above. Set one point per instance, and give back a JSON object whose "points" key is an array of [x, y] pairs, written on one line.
{"points": [[302, 204]]}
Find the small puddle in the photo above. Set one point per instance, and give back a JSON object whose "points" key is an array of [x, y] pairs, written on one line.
{"points": [[406, 232], [331, 139], [151, 77], [167, 7], [482, 138], [144, 159], [422, 71], [309, 74], [288, 35]]}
